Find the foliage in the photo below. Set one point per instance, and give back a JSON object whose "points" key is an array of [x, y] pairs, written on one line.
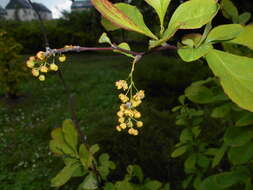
{"points": [[12, 70]]}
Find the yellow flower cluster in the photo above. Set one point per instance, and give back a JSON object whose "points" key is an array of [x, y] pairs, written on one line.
{"points": [[128, 115], [39, 64]]}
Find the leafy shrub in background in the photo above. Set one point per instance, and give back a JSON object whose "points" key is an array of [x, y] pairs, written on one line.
{"points": [[12, 69]]}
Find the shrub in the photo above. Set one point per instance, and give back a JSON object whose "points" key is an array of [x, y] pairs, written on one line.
{"points": [[12, 69]]}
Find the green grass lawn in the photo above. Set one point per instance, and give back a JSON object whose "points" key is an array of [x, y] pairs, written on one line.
{"points": [[25, 123]]}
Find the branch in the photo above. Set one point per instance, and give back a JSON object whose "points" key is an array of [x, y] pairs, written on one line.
{"points": [[114, 47], [42, 26]]}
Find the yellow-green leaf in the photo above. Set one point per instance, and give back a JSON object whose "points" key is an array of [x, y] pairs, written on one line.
{"points": [[190, 15], [85, 156], [229, 10], [104, 39], [244, 17], [224, 33], [191, 54], [160, 7], [179, 151], [58, 145], [124, 16], [89, 183], [245, 38], [192, 39], [65, 174], [124, 46], [235, 74], [70, 134], [108, 25]]}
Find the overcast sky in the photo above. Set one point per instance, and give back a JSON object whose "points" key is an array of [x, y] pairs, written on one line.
{"points": [[56, 6]]}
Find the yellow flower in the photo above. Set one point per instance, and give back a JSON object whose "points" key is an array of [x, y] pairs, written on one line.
{"points": [[137, 115], [41, 55], [62, 58], [129, 113], [123, 98], [135, 103], [135, 132], [121, 120], [118, 128], [41, 77], [139, 95], [139, 123], [121, 84], [30, 63], [53, 67], [43, 69], [122, 107], [120, 114], [131, 131], [32, 58], [123, 125], [35, 72]]}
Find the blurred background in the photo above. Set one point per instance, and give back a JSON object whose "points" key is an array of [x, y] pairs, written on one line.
{"points": [[30, 109]]}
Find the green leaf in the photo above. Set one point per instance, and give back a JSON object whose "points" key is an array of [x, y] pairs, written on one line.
{"points": [[105, 165], [187, 181], [123, 185], [246, 120], [245, 38], [229, 10], [135, 170], [244, 17], [58, 144], [219, 155], [179, 151], [94, 148], [70, 134], [125, 46], [221, 111], [64, 175], [153, 185], [199, 94], [189, 15], [109, 186], [108, 25], [190, 162], [238, 136], [196, 131], [104, 39], [186, 136], [124, 16], [188, 54], [228, 179], [203, 161], [241, 154], [85, 156], [224, 33], [235, 74], [160, 7], [222, 181], [89, 183], [210, 184], [191, 40]]}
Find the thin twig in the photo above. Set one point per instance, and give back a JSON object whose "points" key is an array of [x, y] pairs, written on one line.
{"points": [[72, 107], [42, 26]]}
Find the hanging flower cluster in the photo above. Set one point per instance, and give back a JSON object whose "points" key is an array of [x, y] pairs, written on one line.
{"points": [[42, 64], [128, 116]]}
